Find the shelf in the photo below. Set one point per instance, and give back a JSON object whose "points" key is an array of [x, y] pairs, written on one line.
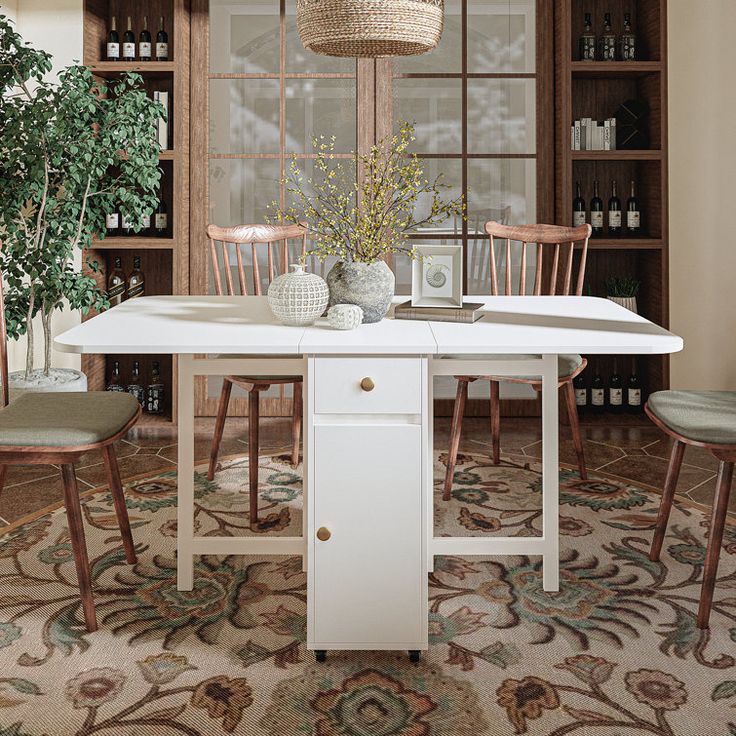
{"points": [[102, 68], [620, 155], [625, 244], [614, 69], [166, 155], [134, 242]]}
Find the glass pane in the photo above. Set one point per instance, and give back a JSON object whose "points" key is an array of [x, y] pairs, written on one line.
{"points": [[300, 60], [435, 107], [451, 170], [244, 36], [316, 107], [501, 36], [502, 116], [244, 116], [447, 57]]}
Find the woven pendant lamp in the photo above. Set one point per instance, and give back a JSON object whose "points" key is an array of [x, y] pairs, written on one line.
{"points": [[370, 28]]}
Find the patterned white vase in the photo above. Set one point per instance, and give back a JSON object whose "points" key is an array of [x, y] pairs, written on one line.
{"points": [[345, 316], [298, 298]]}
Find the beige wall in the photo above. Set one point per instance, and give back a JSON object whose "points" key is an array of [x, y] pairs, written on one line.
{"points": [[702, 144]]}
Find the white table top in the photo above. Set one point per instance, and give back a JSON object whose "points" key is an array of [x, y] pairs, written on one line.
{"points": [[232, 325]]}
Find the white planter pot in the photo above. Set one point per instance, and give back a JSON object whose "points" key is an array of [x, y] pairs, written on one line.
{"points": [[625, 301], [58, 380]]}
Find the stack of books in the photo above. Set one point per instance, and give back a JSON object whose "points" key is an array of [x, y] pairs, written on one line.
{"points": [[468, 313], [592, 135]]}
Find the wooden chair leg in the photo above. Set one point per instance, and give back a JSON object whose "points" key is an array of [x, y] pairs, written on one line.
{"points": [[79, 545], [296, 424], [577, 440], [227, 388], [253, 421], [496, 421], [3, 473], [668, 495], [457, 423], [118, 498], [718, 521]]}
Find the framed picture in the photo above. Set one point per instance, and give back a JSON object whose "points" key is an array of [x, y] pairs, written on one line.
{"points": [[437, 276]]}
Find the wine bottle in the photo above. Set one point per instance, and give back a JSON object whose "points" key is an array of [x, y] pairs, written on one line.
{"points": [[129, 43], [116, 283], [115, 383], [587, 40], [578, 207], [615, 391], [134, 387], [607, 41], [161, 219], [597, 393], [127, 224], [145, 224], [144, 42], [633, 213], [136, 281], [614, 212], [627, 41], [162, 43], [596, 212], [113, 42], [112, 223], [633, 391], [581, 392], [155, 391]]}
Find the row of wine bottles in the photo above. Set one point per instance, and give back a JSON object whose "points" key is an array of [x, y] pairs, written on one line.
{"points": [[596, 396], [120, 288], [617, 226], [151, 396], [607, 46], [144, 50], [117, 223]]}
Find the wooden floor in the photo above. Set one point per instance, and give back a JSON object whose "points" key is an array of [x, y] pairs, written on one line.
{"points": [[626, 447]]}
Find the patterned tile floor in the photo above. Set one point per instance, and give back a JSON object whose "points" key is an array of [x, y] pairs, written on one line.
{"points": [[627, 447]]}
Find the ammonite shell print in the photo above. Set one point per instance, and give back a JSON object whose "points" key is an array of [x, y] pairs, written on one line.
{"points": [[435, 276]]}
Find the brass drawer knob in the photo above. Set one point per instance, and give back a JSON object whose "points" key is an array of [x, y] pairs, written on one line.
{"points": [[367, 384], [323, 534]]}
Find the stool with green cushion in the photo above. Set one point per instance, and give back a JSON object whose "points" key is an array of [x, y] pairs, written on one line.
{"points": [[704, 419], [56, 429]]}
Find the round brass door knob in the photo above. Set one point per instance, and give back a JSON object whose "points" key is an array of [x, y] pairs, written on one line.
{"points": [[323, 534], [367, 384]]}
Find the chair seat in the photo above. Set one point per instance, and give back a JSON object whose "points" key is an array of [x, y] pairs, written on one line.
{"points": [[566, 365], [263, 378], [701, 416], [65, 419]]}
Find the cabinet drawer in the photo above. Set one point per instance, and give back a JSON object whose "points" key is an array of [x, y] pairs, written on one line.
{"points": [[397, 386]]}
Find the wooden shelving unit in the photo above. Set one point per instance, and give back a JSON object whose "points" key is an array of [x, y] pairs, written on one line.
{"points": [[165, 261], [596, 89]]}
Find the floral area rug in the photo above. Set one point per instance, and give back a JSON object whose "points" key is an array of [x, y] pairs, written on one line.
{"points": [[616, 652]]}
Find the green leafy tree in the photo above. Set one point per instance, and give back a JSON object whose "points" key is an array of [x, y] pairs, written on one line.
{"points": [[71, 151]]}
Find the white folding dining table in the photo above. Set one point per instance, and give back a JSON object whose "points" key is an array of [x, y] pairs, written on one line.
{"points": [[368, 539]]}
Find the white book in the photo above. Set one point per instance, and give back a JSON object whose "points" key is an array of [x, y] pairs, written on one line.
{"points": [[613, 134], [607, 135], [578, 136], [163, 125]]}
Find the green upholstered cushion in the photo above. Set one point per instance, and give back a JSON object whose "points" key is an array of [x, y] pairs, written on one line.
{"points": [[566, 364], [702, 416], [65, 419]]}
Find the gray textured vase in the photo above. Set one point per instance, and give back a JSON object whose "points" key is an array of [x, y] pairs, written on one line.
{"points": [[369, 285]]}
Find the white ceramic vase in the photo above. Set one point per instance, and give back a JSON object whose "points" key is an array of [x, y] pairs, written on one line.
{"points": [[298, 298], [345, 316]]}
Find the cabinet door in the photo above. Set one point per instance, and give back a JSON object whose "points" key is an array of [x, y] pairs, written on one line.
{"points": [[367, 584]]}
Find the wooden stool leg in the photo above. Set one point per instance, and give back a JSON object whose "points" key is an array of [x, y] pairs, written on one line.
{"points": [[668, 495], [296, 424], [253, 420], [457, 423], [577, 440], [79, 545], [718, 521], [496, 421], [118, 498], [227, 387]]}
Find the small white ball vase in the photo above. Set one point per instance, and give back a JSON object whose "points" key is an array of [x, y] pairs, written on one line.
{"points": [[298, 298], [345, 316]]}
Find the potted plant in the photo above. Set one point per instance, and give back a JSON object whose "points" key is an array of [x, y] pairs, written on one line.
{"points": [[365, 219], [623, 291], [72, 151]]}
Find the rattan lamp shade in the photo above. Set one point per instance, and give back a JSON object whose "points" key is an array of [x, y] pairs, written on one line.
{"points": [[370, 28]]}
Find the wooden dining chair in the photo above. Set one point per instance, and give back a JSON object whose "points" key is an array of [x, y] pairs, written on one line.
{"points": [[703, 419], [56, 429], [554, 245], [273, 238]]}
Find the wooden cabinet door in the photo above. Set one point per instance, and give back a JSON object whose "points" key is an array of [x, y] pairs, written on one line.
{"points": [[367, 581]]}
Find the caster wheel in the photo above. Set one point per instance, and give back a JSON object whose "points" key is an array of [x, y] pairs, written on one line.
{"points": [[414, 655], [320, 655]]}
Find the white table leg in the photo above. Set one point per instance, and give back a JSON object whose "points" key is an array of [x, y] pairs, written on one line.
{"points": [[185, 512], [550, 475]]}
